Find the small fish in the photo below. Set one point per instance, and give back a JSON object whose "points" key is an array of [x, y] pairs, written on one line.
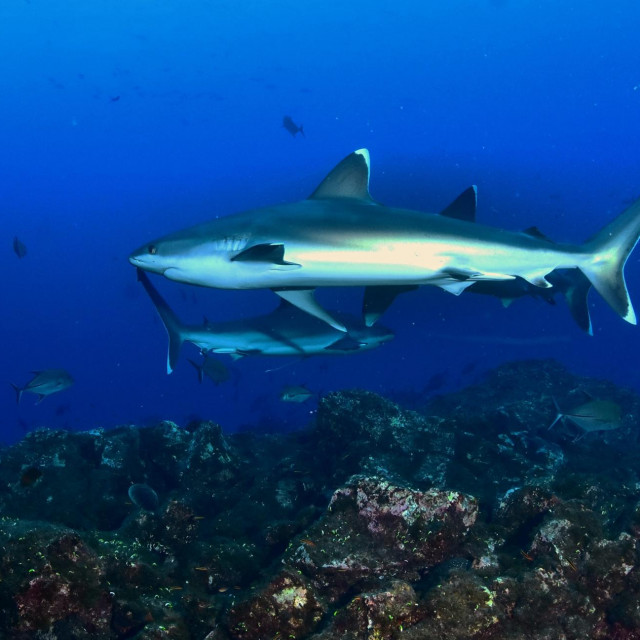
{"points": [[309, 543], [296, 394], [63, 409], [436, 382], [44, 383], [595, 415], [19, 247], [211, 367], [292, 127], [143, 496]]}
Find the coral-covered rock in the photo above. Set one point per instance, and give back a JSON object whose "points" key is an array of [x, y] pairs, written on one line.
{"points": [[462, 607], [288, 607], [58, 583], [373, 529], [367, 434], [386, 613]]}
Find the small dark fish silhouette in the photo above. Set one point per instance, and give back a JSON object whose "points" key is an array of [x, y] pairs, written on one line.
{"points": [[30, 476], [115, 98], [292, 127], [62, 409], [469, 368], [435, 382], [19, 248]]}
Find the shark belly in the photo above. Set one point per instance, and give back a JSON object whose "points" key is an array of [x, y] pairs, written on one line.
{"points": [[427, 261]]}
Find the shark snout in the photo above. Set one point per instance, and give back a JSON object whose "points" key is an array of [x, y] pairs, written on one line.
{"points": [[146, 257]]}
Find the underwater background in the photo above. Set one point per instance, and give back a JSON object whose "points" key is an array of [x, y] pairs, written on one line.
{"points": [[418, 491], [124, 121]]}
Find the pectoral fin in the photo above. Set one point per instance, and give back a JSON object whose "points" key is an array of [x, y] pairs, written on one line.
{"points": [[272, 254], [303, 299]]}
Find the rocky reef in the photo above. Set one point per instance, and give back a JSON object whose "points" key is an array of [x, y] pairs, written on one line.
{"points": [[466, 519]]}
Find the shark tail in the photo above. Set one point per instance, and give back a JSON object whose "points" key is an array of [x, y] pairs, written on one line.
{"points": [[608, 252], [171, 322], [200, 369], [576, 295], [18, 391], [559, 415]]}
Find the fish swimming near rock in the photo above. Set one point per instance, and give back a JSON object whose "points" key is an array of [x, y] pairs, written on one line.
{"points": [[595, 415], [19, 247], [297, 394], [292, 127], [286, 331], [45, 383], [212, 368], [143, 496], [340, 236]]}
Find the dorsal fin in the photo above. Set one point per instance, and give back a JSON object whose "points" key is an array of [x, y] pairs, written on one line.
{"points": [[464, 206], [348, 179]]}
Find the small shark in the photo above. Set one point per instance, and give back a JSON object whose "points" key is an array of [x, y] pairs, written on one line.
{"points": [[283, 332], [340, 236], [44, 383]]}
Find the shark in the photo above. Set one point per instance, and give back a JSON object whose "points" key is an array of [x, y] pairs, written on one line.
{"points": [[286, 331], [341, 236]]}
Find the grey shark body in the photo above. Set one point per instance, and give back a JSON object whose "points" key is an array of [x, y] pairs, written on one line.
{"points": [[286, 331], [340, 236]]}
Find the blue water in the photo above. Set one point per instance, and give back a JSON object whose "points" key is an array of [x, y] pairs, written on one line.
{"points": [[124, 120]]}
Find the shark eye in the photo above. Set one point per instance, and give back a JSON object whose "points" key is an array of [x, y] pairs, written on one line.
{"points": [[152, 250]]}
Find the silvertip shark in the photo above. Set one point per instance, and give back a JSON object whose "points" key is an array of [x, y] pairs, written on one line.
{"points": [[286, 331], [340, 236]]}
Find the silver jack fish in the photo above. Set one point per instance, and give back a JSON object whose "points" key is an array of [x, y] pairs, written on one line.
{"points": [[283, 332], [44, 383], [340, 236]]}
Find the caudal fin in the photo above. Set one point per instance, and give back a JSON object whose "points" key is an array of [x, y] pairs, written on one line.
{"points": [[18, 391], [575, 287], [559, 415], [171, 322], [608, 252], [199, 368]]}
